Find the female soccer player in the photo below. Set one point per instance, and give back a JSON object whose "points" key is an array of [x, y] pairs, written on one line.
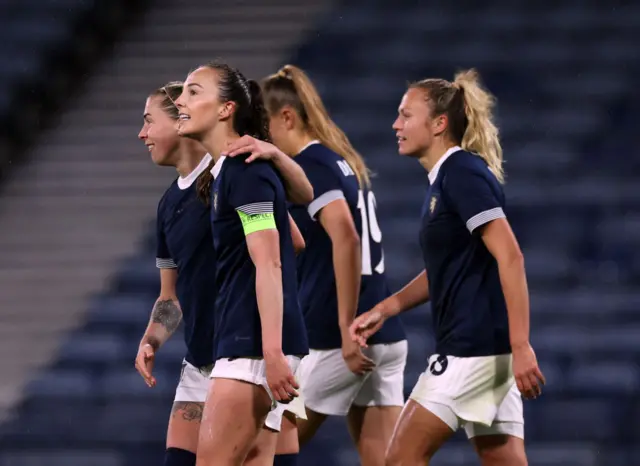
{"points": [[260, 335], [474, 277], [341, 273], [187, 266]]}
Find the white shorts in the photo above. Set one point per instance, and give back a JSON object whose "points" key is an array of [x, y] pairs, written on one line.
{"points": [[330, 388], [479, 394], [254, 371], [194, 384]]}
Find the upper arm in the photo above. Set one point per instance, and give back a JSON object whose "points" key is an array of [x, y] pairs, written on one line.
{"points": [[476, 196], [337, 221], [163, 255], [264, 247], [500, 241], [168, 280], [296, 236]]}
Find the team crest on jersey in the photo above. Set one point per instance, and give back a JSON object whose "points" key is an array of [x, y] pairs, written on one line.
{"points": [[432, 204]]}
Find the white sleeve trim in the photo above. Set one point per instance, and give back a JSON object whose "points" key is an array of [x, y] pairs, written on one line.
{"points": [[165, 263], [485, 217], [324, 200], [257, 208]]}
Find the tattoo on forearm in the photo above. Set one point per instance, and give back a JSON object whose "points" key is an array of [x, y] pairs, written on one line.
{"points": [[188, 410], [167, 313]]}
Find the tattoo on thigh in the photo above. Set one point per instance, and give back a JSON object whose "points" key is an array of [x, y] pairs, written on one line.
{"points": [[188, 410]]}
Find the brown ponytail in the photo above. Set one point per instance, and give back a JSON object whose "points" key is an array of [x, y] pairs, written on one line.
{"points": [[291, 86]]}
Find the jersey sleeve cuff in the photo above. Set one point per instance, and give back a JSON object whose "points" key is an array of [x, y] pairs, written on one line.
{"points": [[324, 200], [484, 217], [165, 263], [256, 208]]}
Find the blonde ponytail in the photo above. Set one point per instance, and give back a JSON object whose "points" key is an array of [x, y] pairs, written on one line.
{"points": [[481, 135], [307, 102]]}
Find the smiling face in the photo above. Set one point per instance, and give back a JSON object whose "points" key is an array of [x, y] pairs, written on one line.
{"points": [[159, 133], [199, 105], [415, 126]]}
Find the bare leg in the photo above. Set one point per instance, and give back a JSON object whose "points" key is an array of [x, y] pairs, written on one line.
{"points": [[418, 435], [233, 418], [500, 450], [371, 429], [308, 428]]}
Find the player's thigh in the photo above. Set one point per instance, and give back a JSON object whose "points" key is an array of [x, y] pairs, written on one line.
{"points": [[308, 427], [234, 414], [372, 424], [186, 413], [371, 429], [418, 435], [501, 443], [328, 386], [500, 450], [288, 436]]}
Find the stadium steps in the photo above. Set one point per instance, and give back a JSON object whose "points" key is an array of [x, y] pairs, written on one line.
{"points": [[78, 209]]}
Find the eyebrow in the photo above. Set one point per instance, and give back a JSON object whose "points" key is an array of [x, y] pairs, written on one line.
{"points": [[194, 84]]}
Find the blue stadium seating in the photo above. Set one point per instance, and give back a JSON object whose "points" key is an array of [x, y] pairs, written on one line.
{"points": [[31, 31], [567, 112]]}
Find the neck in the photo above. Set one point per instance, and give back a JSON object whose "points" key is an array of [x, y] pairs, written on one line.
{"points": [[300, 140], [434, 153], [218, 139], [191, 154]]}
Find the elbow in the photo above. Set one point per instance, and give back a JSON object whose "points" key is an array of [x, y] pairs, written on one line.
{"points": [[347, 241], [515, 260], [267, 265]]}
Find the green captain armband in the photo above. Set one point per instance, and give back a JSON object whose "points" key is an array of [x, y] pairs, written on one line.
{"points": [[257, 222]]}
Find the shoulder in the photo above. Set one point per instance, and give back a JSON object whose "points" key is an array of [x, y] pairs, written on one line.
{"points": [[464, 166], [169, 193], [238, 170], [318, 155]]}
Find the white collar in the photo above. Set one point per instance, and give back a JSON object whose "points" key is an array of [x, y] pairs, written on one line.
{"points": [[187, 181], [215, 171], [310, 143], [433, 174]]}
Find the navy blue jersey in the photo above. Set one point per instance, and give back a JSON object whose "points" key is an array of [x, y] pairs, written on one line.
{"points": [[184, 241], [332, 179], [467, 303], [254, 192]]}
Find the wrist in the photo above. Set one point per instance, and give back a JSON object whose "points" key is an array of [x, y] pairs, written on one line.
{"points": [[519, 344], [151, 341], [389, 307], [271, 351]]}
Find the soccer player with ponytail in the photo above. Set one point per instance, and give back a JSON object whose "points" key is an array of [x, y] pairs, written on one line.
{"points": [[474, 277], [259, 336], [341, 274]]}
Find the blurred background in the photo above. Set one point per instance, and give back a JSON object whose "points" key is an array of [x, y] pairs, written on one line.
{"points": [[79, 193]]}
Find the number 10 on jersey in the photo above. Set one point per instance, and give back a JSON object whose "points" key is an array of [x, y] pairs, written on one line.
{"points": [[370, 232]]}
